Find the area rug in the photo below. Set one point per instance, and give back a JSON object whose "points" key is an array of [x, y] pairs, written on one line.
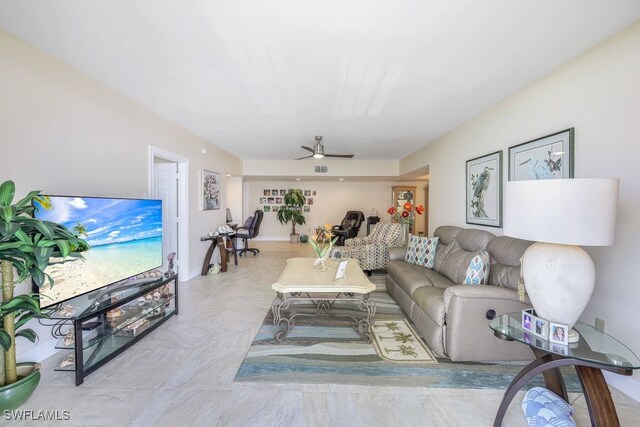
{"points": [[327, 350], [395, 340]]}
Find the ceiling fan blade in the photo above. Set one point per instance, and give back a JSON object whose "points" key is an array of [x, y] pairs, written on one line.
{"points": [[344, 156], [307, 148], [306, 157]]}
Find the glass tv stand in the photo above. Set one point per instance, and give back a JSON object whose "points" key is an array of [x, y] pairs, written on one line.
{"points": [[112, 319]]}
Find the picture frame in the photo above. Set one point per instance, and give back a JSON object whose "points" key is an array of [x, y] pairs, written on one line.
{"points": [[266, 192], [341, 270], [484, 190], [283, 192], [266, 208], [527, 320], [209, 190], [548, 157], [558, 333], [540, 327]]}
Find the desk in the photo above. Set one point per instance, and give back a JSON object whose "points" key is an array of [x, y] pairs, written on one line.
{"points": [[594, 352], [225, 250]]}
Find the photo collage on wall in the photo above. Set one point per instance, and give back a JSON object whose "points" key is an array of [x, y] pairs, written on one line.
{"points": [[272, 199]]}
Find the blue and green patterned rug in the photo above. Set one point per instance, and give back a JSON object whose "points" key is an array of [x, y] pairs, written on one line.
{"points": [[327, 350]]}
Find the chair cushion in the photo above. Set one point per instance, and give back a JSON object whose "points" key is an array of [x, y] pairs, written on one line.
{"points": [[543, 407], [478, 270], [421, 251]]}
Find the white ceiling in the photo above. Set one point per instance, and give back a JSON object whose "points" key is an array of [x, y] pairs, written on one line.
{"points": [[377, 78]]}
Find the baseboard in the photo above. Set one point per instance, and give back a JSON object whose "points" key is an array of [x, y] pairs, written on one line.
{"points": [[626, 385], [272, 239], [42, 351], [192, 274]]}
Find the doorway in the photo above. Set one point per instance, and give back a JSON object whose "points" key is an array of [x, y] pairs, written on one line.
{"points": [[168, 174]]}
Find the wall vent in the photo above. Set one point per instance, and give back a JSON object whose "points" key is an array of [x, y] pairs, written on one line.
{"points": [[321, 169]]}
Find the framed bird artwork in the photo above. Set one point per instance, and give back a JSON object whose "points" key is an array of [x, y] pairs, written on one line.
{"points": [[484, 190], [549, 157]]}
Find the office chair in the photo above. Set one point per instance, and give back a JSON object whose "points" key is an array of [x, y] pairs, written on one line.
{"points": [[248, 231]]}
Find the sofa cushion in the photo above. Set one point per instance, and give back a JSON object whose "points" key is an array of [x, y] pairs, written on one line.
{"points": [[408, 276], [446, 235], [431, 301], [468, 244], [478, 270], [421, 250], [437, 280], [506, 253]]}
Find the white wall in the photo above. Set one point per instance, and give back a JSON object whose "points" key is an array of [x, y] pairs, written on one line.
{"points": [[598, 93], [234, 197], [332, 201], [336, 167], [64, 133]]}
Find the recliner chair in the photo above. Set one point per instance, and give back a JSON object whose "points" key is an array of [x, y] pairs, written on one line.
{"points": [[349, 227], [249, 231]]}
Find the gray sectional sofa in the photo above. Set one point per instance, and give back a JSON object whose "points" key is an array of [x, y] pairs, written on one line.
{"points": [[453, 318]]}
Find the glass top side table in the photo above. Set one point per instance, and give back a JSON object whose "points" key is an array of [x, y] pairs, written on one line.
{"points": [[595, 351]]}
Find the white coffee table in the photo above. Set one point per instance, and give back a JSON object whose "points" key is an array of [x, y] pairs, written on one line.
{"points": [[301, 282]]}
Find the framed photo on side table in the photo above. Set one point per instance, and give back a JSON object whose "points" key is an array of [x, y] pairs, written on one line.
{"points": [[558, 333], [484, 190], [549, 157]]}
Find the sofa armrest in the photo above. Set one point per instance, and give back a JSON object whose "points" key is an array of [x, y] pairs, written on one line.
{"points": [[356, 241], [468, 336], [396, 253], [475, 292]]}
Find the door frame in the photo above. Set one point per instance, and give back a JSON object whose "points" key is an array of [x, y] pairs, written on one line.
{"points": [[183, 202]]}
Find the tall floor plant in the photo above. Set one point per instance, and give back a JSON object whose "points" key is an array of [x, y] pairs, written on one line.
{"points": [[26, 245]]}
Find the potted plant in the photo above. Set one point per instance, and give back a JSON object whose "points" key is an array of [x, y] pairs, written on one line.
{"points": [[291, 212], [26, 245]]}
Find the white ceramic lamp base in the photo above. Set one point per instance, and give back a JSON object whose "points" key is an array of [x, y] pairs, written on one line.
{"points": [[559, 280]]}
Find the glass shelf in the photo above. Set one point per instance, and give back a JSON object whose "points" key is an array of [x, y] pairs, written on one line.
{"points": [[593, 346], [124, 313]]}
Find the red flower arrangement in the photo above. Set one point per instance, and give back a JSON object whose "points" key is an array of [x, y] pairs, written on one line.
{"points": [[408, 213]]}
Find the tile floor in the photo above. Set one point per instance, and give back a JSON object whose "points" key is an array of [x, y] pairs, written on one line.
{"points": [[182, 374]]}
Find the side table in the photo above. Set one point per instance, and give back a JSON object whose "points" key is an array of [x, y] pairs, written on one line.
{"points": [[594, 352], [225, 250]]}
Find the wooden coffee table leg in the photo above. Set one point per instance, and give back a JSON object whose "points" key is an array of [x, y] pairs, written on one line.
{"points": [[599, 401]]}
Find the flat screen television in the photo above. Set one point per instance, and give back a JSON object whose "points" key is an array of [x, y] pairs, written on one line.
{"points": [[124, 237]]}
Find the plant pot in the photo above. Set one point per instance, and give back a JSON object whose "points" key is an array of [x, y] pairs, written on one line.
{"points": [[304, 238], [295, 238], [14, 395]]}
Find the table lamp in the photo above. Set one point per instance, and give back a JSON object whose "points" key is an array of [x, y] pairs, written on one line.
{"points": [[560, 214]]}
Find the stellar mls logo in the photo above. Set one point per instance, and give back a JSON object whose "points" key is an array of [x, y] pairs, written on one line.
{"points": [[31, 415]]}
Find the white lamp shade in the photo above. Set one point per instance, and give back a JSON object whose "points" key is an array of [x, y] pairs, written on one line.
{"points": [[565, 211]]}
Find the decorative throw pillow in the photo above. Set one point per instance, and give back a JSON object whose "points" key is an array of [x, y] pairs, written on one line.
{"points": [[478, 270], [543, 407], [422, 251]]}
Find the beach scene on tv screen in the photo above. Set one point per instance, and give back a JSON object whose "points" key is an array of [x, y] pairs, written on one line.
{"points": [[124, 237]]}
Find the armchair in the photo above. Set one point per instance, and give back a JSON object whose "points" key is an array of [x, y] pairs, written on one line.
{"points": [[372, 252], [349, 227]]}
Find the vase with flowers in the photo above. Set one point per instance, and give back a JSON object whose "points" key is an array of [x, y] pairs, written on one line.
{"points": [[405, 215], [322, 241]]}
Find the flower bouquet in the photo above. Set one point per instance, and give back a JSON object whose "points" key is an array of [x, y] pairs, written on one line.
{"points": [[408, 213], [322, 241], [405, 216]]}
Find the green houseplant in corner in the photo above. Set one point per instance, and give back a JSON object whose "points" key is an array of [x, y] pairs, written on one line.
{"points": [[291, 212], [26, 245]]}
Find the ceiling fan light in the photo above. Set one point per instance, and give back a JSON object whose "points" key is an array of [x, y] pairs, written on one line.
{"points": [[318, 155]]}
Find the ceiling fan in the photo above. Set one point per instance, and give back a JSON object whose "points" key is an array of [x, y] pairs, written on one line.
{"points": [[318, 151]]}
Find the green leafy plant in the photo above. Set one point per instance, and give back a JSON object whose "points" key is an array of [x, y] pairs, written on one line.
{"points": [[291, 211], [26, 245]]}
